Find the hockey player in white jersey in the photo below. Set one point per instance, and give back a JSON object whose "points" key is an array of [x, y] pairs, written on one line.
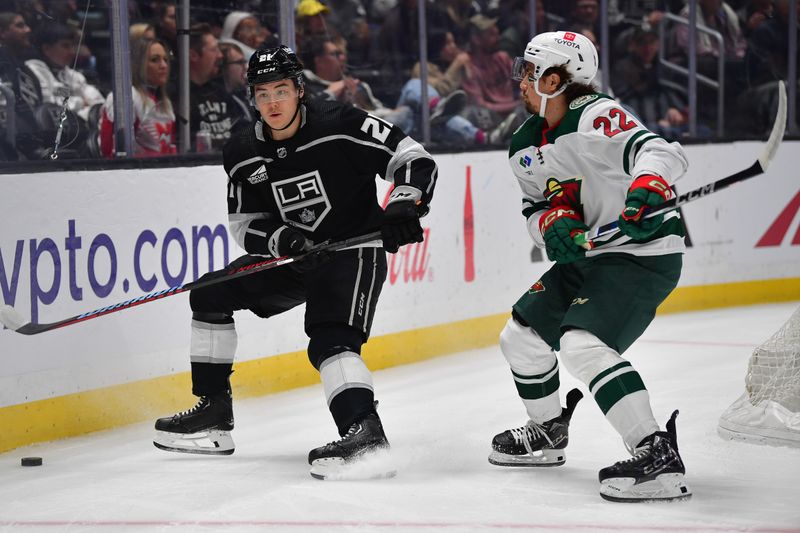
{"points": [[582, 160]]}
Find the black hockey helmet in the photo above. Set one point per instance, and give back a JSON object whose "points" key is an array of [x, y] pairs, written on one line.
{"points": [[274, 64]]}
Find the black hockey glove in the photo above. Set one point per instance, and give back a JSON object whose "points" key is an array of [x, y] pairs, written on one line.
{"points": [[400, 225], [287, 241]]}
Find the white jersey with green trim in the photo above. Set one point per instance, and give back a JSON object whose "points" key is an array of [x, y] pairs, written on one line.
{"points": [[587, 162]]}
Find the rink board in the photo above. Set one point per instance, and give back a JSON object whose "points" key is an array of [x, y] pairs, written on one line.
{"points": [[73, 242]]}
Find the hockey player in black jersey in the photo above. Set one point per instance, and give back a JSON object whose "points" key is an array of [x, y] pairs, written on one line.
{"points": [[304, 173]]}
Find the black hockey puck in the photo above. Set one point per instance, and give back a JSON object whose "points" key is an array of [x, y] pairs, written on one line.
{"points": [[31, 461]]}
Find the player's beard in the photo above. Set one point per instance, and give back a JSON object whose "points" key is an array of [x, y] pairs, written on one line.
{"points": [[529, 106]]}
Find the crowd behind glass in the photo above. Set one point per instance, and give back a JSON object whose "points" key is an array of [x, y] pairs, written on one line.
{"points": [[56, 69]]}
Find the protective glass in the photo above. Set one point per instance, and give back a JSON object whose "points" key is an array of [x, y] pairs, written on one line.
{"points": [[278, 95], [520, 70]]}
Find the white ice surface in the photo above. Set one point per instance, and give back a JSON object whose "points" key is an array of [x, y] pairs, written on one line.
{"points": [[440, 416]]}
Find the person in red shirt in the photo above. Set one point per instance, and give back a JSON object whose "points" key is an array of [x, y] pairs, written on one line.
{"points": [[154, 119]]}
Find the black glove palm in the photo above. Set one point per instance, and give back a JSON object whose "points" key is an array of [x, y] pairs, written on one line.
{"points": [[400, 225]]}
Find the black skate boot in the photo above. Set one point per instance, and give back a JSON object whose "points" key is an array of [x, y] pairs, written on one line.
{"points": [[357, 455], [654, 473], [205, 428], [536, 444]]}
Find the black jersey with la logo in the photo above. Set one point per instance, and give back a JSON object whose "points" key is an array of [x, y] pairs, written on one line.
{"points": [[322, 179]]}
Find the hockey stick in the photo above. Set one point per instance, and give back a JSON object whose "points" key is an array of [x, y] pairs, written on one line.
{"points": [[759, 167], [11, 319]]}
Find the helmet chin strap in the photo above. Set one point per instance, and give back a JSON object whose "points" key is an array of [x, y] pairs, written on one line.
{"points": [[546, 97]]}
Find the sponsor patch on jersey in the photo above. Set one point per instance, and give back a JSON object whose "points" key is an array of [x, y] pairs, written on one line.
{"points": [[259, 175], [302, 200], [525, 161], [582, 100], [537, 287]]}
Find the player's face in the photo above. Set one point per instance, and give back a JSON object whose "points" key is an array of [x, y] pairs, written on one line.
{"points": [[277, 102], [530, 97]]}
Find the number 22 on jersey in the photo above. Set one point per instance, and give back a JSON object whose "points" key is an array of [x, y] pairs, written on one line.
{"points": [[616, 122]]}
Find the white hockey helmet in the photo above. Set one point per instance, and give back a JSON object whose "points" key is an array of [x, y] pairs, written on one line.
{"points": [[573, 51]]}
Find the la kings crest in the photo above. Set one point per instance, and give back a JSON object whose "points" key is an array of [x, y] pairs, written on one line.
{"points": [[302, 200]]}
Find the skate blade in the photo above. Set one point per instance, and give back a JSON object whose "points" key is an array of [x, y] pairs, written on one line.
{"points": [[666, 487], [214, 442], [541, 458], [376, 464]]}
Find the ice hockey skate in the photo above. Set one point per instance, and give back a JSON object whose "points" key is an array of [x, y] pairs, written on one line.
{"points": [[654, 473], [204, 429], [536, 444], [363, 453]]}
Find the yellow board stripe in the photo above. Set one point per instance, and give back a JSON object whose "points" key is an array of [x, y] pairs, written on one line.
{"points": [[109, 407]]}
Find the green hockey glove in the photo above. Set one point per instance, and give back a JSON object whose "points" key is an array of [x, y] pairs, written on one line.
{"points": [[646, 192], [559, 226]]}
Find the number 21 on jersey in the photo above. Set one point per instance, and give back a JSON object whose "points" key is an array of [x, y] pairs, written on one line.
{"points": [[616, 122], [377, 128]]}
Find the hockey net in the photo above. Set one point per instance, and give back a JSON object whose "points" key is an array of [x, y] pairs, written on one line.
{"points": [[769, 410]]}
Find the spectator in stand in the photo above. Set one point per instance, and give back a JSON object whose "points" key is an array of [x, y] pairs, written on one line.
{"points": [[719, 16], [212, 112], [753, 14], [346, 16], [458, 13], [141, 30], [15, 47], [768, 46], [446, 99], [492, 100], [57, 45], [15, 42], [716, 15], [398, 41], [245, 31], [166, 24], [634, 14], [636, 83], [584, 14], [325, 78], [234, 75], [516, 21], [311, 20], [768, 62], [153, 118]]}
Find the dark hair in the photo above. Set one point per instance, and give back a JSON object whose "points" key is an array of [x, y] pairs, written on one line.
{"points": [[313, 47], [574, 90], [50, 34], [196, 34], [7, 19], [437, 37]]}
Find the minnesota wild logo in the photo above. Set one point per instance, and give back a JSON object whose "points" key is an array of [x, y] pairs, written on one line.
{"points": [[566, 192], [537, 287]]}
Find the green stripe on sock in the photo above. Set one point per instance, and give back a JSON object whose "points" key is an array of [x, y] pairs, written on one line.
{"points": [[606, 372], [617, 388], [537, 391], [535, 376]]}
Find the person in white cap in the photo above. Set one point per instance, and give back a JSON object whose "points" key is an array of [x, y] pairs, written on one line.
{"points": [[580, 161]]}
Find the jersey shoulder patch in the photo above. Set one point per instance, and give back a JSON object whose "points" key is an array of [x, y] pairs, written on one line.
{"points": [[583, 100]]}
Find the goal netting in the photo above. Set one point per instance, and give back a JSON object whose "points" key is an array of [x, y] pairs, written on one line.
{"points": [[769, 410]]}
